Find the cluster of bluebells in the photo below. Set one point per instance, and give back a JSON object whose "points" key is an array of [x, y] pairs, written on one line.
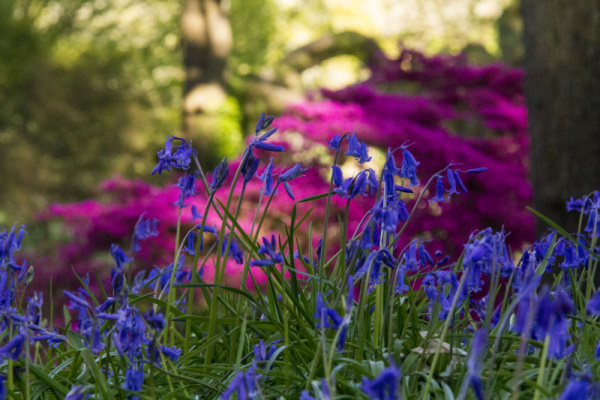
{"points": [[590, 206], [134, 334], [19, 326]]}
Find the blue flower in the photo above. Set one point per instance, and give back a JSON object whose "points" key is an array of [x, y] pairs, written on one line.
{"points": [[475, 362], [581, 388], [77, 392], [593, 223], [134, 379], [219, 175], [167, 159], [451, 182], [304, 395], [13, 349], [439, 191], [250, 166], [187, 187], [593, 305], [259, 141], [459, 181], [326, 317], [245, 384], [289, 175], [267, 179], [375, 260], [385, 386], [428, 285], [268, 249], [389, 170], [334, 143], [357, 149], [261, 357], [144, 229], [234, 250], [409, 167]]}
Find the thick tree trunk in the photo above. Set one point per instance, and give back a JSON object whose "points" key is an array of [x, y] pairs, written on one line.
{"points": [[562, 62], [207, 41]]}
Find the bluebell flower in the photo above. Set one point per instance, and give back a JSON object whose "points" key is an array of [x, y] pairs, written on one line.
{"points": [[319, 248], [389, 216], [409, 168], [267, 179], [388, 172], [77, 392], [13, 349], [268, 249], [289, 175], [195, 214], [244, 384], [575, 205], [155, 321], [263, 123], [250, 166], [459, 182], [593, 306], [234, 250], [366, 242], [292, 173], [134, 379], [172, 353], [187, 186], [304, 395], [326, 317], [439, 191], [474, 171], [334, 143], [130, 333], [451, 182], [550, 319], [593, 223], [428, 285], [167, 159], [424, 256], [357, 149], [375, 261], [401, 287], [385, 386], [581, 388], [259, 141], [342, 185], [261, 356], [219, 175], [144, 229], [119, 256], [475, 362], [571, 260], [326, 393]]}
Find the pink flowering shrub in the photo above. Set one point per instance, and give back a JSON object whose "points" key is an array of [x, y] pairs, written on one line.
{"points": [[448, 110]]}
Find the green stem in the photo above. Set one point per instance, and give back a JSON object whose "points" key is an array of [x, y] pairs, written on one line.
{"points": [[219, 270], [540, 378]]}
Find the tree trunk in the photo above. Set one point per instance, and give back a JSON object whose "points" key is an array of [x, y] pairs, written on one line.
{"points": [[207, 41], [562, 83]]}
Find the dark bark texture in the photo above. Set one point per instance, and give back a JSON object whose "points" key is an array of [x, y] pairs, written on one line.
{"points": [[562, 83]]}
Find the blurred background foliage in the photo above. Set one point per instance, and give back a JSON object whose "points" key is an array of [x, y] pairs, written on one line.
{"points": [[90, 88]]}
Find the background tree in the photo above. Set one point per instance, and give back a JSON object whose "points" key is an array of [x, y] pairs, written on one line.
{"points": [[562, 63]]}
